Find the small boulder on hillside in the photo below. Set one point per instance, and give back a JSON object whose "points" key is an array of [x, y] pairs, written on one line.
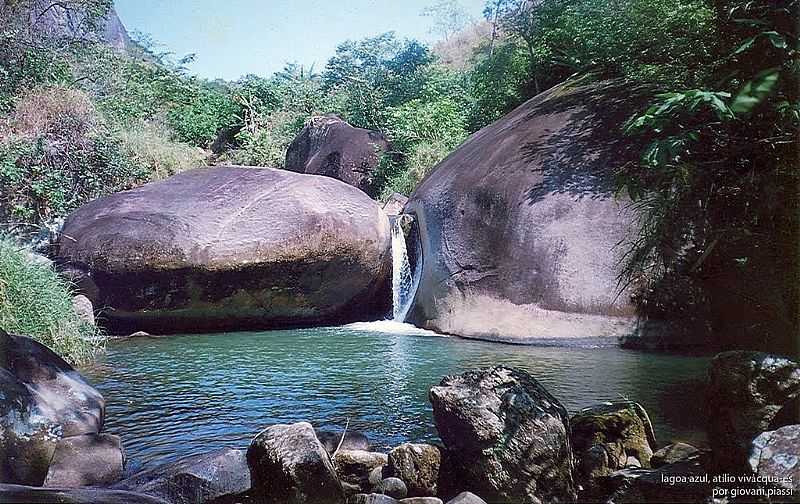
{"points": [[329, 146], [505, 435]]}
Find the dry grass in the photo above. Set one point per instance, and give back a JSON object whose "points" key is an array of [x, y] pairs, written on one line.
{"points": [[148, 145]]}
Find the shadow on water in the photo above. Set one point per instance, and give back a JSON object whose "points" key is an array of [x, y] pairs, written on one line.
{"points": [[170, 397]]}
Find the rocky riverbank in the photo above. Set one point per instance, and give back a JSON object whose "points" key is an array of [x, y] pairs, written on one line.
{"points": [[504, 439]]}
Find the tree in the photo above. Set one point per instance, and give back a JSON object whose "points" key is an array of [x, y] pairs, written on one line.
{"points": [[449, 17]]}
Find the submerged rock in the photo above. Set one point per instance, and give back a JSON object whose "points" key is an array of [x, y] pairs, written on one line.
{"points": [[43, 399], [519, 225], [329, 146], [18, 494], [418, 466], [197, 479], [746, 392], [506, 436], [228, 248], [672, 453], [86, 460], [352, 440], [289, 465]]}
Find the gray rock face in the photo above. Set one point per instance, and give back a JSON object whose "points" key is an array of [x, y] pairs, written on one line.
{"points": [[519, 226], [746, 392], [506, 436], [86, 460], [672, 453], [395, 204], [228, 248], [466, 498], [329, 146], [43, 400], [611, 436], [776, 455], [418, 466], [354, 467], [18, 494], [194, 480], [83, 307], [289, 465]]}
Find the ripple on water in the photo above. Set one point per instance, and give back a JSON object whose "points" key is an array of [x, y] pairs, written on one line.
{"points": [[181, 395]]}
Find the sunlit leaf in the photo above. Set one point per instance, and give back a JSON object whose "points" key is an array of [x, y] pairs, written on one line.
{"points": [[754, 91]]}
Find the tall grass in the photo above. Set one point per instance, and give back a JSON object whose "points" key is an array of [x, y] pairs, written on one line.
{"points": [[148, 145], [36, 302]]}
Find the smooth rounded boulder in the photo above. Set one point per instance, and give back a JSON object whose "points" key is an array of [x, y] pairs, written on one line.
{"points": [[331, 147], [520, 225], [228, 248], [506, 436], [43, 399]]}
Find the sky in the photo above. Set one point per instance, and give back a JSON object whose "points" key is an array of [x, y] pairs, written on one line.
{"points": [[232, 38]]}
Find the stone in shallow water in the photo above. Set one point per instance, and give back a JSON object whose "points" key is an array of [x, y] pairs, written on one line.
{"points": [[672, 453], [354, 467], [194, 480], [289, 465], [86, 460], [505, 435], [18, 494], [418, 466]]}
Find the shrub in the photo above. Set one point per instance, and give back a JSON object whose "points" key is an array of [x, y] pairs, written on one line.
{"points": [[265, 141], [36, 302], [148, 146], [56, 154], [203, 115]]}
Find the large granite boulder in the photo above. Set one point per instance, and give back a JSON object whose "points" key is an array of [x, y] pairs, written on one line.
{"points": [[520, 226], [506, 436], [19, 494], [233, 247], [329, 146], [746, 392], [86, 460], [43, 399], [196, 479], [289, 465], [611, 436]]}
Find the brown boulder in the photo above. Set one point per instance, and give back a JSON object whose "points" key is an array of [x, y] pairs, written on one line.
{"points": [[520, 225], [330, 147], [229, 248], [86, 460]]}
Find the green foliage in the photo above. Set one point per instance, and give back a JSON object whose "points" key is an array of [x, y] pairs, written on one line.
{"points": [[202, 114], [36, 302], [717, 185], [148, 147]]}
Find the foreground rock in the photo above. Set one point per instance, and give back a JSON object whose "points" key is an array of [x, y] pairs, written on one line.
{"points": [[230, 248], [43, 399], [506, 436], [669, 483], [775, 456], [519, 226], [329, 146], [418, 466], [87, 460], [289, 465], [746, 392], [353, 467], [18, 494], [196, 479], [673, 453], [609, 437]]}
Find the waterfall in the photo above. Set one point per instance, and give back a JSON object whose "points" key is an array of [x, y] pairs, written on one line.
{"points": [[403, 279]]}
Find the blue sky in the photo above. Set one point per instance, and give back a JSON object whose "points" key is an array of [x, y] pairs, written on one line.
{"points": [[236, 37]]}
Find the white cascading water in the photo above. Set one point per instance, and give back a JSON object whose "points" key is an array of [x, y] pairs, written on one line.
{"points": [[402, 277]]}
